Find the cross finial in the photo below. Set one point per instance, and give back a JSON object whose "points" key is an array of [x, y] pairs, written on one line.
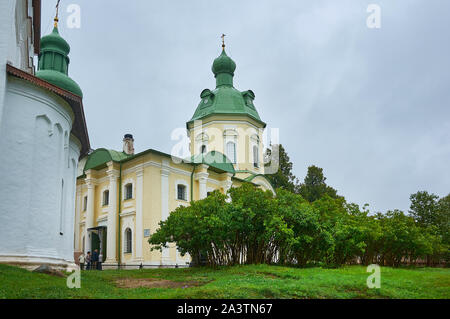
{"points": [[56, 16], [223, 40]]}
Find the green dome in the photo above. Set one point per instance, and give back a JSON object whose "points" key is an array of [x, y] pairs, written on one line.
{"points": [[223, 64], [225, 99], [61, 80], [55, 42], [54, 62]]}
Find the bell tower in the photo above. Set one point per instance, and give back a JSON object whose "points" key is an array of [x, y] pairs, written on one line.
{"points": [[227, 121]]}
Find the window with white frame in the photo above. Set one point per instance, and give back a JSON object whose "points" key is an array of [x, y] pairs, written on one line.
{"points": [[85, 203], [128, 191], [202, 140], [231, 151], [128, 241], [255, 156], [105, 198], [181, 192]]}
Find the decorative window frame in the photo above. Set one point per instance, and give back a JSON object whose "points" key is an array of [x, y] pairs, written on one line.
{"points": [[185, 184], [231, 135], [255, 141], [104, 189], [133, 189], [128, 222], [200, 140], [126, 249]]}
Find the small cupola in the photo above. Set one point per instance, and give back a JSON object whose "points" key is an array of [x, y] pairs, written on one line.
{"points": [[223, 68], [54, 61]]}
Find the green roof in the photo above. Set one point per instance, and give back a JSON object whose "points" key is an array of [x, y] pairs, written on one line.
{"points": [[252, 176], [98, 158], [54, 62], [225, 99], [215, 160]]}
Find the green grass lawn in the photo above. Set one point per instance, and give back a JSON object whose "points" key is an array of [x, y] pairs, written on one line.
{"points": [[254, 281]]}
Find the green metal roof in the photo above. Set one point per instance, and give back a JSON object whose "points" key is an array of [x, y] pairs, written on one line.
{"points": [[98, 158], [54, 62], [252, 176], [214, 159], [225, 99]]}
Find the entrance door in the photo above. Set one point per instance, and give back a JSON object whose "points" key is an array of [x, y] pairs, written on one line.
{"points": [[95, 243]]}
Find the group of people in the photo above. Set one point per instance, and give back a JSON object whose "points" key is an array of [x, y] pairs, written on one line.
{"points": [[93, 261]]}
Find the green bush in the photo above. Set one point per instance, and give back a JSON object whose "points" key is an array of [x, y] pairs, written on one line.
{"points": [[254, 227]]}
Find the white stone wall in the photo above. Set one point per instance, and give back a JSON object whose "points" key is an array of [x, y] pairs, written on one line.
{"points": [[16, 42], [38, 167]]}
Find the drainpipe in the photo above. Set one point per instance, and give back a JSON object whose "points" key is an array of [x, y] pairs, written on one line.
{"points": [[192, 183], [120, 210]]}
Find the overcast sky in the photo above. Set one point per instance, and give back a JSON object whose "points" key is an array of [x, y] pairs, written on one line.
{"points": [[369, 106]]}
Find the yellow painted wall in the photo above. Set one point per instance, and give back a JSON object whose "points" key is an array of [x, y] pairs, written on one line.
{"points": [[214, 127]]}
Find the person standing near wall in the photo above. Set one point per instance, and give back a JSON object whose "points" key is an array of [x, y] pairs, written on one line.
{"points": [[88, 260], [81, 261]]}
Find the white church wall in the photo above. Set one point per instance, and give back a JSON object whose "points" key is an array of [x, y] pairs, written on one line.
{"points": [[38, 165], [16, 46]]}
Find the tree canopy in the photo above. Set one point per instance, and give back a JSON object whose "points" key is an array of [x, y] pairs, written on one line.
{"points": [[256, 227]]}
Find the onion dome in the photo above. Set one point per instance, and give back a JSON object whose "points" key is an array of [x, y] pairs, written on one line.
{"points": [[225, 99], [223, 68], [223, 64], [54, 62]]}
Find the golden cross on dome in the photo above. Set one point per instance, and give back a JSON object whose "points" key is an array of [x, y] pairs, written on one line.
{"points": [[223, 40], [56, 16]]}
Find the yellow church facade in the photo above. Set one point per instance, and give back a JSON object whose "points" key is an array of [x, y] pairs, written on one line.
{"points": [[121, 197]]}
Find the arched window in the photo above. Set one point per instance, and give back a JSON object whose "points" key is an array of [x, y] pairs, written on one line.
{"points": [[106, 198], [255, 156], [231, 152], [129, 191], [181, 192], [128, 241], [203, 149]]}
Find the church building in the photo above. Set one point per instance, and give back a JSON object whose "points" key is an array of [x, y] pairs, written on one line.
{"points": [[121, 196], [43, 135]]}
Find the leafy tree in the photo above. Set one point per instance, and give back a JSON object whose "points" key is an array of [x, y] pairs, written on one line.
{"points": [[424, 208], [432, 215], [256, 227], [370, 233], [444, 217], [252, 210], [283, 178], [314, 186], [308, 240], [195, 228], [402, 239], [444, 226]]}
